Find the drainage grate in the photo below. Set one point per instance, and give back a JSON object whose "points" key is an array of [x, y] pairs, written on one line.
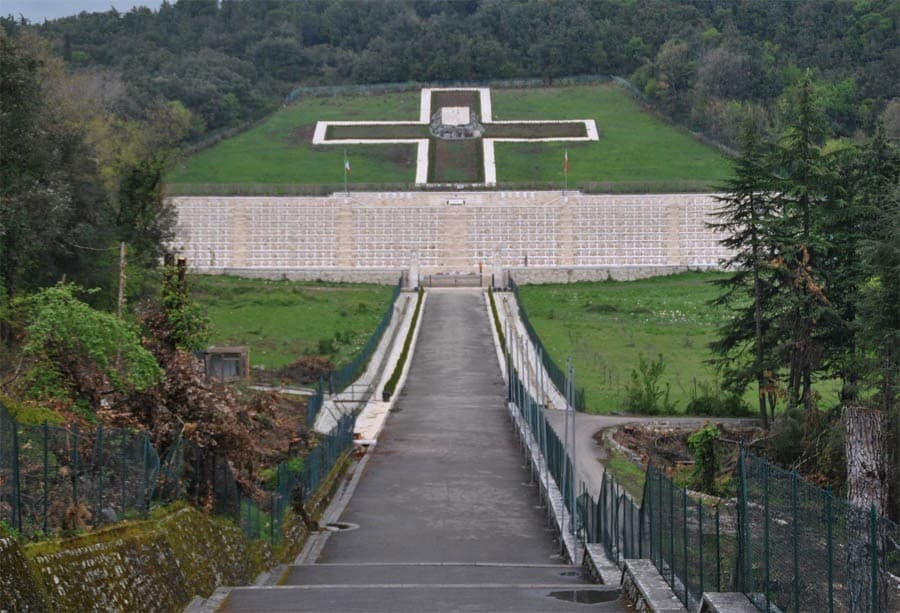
{"points": [[339, 526]]}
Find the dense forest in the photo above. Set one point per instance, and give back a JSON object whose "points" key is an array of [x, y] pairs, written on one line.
{"points": [[708, 64]]}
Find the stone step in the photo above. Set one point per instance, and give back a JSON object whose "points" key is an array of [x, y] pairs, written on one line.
{"points": [[435, 574], [390, 598]]}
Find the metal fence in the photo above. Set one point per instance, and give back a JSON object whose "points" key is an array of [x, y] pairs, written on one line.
{"points": [[693, 543], [557, 374], [206, 480], [55, 479], [801, 548], [786, 543], [340, 379]]}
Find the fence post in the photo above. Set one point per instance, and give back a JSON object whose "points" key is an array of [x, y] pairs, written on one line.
{"points": [[766, 529], [122, 473], [744, 553], [75, 464], [795, 584], [98, 452], [272, 518], [46, 433], [684, 543], [672, 532], [830, 537], [145, 503], [718, 554], [873, 555], [17, 493], [700, 544]]}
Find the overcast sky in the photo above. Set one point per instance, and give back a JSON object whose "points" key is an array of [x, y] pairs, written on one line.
{"points": [[39, 10]]}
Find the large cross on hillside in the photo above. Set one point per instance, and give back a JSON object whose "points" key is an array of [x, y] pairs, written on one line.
{"points": [[459, 123]]}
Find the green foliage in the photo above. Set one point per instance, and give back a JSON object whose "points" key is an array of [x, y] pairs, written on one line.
{"points": [[188, 324], [496, 317], [644, 394], [710, 400], [391, 386], [68, 344], [606, 325], [282, 321], [705, 444]]}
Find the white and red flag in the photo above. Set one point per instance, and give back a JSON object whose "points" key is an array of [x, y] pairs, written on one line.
{"points": [[566, 162]]}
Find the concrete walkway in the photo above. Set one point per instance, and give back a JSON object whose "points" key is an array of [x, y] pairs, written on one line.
{"points": [[447, 520]]}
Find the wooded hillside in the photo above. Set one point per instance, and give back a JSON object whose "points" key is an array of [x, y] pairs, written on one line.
{"points": [[706, 63]]}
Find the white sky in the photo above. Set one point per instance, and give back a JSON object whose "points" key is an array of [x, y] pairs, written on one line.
{"points": [[37, 11]]}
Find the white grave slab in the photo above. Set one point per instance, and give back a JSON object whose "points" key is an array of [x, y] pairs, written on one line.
{"points": [[454, 115]]}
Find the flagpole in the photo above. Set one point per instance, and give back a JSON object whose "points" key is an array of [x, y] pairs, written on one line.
{"points": [[566, 173], [346, 189]]}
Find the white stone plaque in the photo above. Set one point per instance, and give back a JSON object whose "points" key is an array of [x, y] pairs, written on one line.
{"points": [[454, 115]]}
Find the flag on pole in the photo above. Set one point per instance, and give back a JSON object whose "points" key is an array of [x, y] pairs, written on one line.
{"points": [[346, 164], [566, 162]]}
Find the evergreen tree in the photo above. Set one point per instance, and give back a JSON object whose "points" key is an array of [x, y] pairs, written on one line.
{"points": [[804, 177], [746, 217]]}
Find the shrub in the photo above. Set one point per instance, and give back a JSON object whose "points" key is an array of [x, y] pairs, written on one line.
{"points": [[710, 401], [391, 386], [643, 392], [705, 444]]}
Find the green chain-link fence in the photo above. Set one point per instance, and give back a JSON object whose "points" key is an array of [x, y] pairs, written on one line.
{"points": [[803, 549], [53, 479], [557, 374]]}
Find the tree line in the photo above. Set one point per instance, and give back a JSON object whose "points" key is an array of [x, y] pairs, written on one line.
{"points": [[707, 64], [815, 294]]}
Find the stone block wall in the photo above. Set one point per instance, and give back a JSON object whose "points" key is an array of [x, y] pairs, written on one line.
{"points": [[444, 232]]}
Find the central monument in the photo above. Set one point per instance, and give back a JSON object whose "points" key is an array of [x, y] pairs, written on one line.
{"points": [[455, 123]]}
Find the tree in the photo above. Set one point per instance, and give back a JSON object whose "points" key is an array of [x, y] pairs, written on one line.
{"points": [[804, 180], [74, 352], [746, 216]]}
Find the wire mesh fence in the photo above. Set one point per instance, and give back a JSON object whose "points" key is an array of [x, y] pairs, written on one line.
{"points": [[692, 542], [613, 520], [55, 479], [804, 549], [556, 374]]}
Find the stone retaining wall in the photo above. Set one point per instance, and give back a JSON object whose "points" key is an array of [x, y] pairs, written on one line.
{"points": [[588, 236]]}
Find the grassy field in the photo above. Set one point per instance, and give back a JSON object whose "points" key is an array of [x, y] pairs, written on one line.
{"points": [[284, 320], [280, 150], [635, 148], [606, 326]]}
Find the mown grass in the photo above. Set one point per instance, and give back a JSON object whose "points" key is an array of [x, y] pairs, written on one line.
{"points": [[635, 148], [606, 327], [284, 320], [280, 150]]}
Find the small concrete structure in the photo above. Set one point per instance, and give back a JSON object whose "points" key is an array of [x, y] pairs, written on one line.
{"points": [[225, 364]]}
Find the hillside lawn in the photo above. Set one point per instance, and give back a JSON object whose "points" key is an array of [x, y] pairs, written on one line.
{"points": [[282, 321], [606, 326], [635, 150]]}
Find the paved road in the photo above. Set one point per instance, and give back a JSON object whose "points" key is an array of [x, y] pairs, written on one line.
{"points": [[447, 520], [589, 452]]}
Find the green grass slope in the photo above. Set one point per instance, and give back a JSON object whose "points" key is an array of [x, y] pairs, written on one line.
{"points": [[635, 147], [284, 320], [636, 151], [280, 149], [606, 326]]}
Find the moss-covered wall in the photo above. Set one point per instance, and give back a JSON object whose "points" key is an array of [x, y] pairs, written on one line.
{"points": [[152, 565], [19, 588]]}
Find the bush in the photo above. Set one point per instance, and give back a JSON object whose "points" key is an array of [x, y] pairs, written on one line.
{"points": [[705, 444], [643, 393], [391, 386], [712, 402]]}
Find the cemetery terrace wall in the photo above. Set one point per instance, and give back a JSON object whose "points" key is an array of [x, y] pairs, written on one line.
{"points": [[435, 232]]}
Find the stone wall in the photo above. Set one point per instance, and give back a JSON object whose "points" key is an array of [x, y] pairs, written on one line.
{"points": [[442, 232], [156, 565]]}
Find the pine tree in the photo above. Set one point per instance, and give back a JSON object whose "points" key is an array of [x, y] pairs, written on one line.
{"points": [[802, 189], [746, 216]]}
